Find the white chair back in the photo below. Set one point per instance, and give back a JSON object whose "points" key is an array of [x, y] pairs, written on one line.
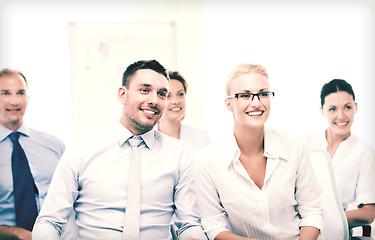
{"points": [[335, 223]]}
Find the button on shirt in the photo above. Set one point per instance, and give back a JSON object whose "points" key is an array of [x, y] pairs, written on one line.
{"points": [[92, 176], [43, 152], [229, 200], [353, 166]]}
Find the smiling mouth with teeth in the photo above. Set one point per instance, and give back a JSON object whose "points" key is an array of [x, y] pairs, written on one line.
{"points": [[342, 124], [13, 110], [258, 113], [150, 112]]}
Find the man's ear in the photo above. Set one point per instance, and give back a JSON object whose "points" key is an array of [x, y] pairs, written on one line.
{"points": [[121, 94]]}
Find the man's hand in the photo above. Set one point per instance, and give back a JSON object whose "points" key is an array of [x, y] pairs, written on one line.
{"points": [[14, 233]]}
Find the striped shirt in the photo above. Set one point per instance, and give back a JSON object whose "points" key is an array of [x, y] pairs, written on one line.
{"points": [[229, 200]]}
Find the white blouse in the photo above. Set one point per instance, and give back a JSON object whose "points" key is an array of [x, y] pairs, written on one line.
{"points": [[353, 165], [229, 200]]}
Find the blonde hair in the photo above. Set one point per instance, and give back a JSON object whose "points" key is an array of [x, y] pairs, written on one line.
{"points": [[242, 69]]}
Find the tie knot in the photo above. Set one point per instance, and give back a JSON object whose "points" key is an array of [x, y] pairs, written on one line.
{"points": [[134, 142], [14, 136]]}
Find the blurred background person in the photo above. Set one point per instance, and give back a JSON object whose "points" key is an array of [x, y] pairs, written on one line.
{"points": [[27, 160], [171, 121], [353, 160]]}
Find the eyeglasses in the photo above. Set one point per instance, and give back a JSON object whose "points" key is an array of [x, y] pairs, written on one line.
{"points": [[247, 95]]}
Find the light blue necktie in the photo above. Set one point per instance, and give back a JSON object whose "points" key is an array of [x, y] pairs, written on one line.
{"points": [[133, 201]]}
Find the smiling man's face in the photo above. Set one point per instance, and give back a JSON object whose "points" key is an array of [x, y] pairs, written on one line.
{"points": [[143, 101], [13, 100]]}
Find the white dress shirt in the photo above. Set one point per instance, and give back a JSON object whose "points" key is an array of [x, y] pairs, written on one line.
{"points": [[353, 165], [229, 200], [91, 178]]}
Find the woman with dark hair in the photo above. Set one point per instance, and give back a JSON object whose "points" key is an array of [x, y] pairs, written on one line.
{"points": [[171, 121], [353, 161]]}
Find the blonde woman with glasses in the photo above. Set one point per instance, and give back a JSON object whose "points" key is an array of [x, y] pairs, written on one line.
{"points": [[256, 183]]}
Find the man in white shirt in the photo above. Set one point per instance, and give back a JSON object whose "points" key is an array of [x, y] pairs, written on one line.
{"points": [[92, 177]]}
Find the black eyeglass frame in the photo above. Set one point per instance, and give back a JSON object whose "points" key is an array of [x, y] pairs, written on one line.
{"points": [[252, 95]]}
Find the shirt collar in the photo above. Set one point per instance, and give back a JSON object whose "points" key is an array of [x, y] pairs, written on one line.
{"points": [[230, 149], [349, 139], [4, 131], [323, 139], [273, 147], [122, 135], [149, 138]]}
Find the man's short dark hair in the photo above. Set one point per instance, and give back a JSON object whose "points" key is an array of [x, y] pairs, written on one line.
{"points": [[142, 64]]}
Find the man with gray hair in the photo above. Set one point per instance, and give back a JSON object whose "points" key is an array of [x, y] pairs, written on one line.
{"points": [[27, 160]]}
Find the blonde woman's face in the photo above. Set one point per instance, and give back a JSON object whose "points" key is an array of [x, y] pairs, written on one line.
{"points": [[253, 112]]}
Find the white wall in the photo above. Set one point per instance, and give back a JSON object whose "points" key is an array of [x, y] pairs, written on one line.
{"points": [[34, 38], [303, 45]]}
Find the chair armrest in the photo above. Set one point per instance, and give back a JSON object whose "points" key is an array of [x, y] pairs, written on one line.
{"points": [[366, 228]]}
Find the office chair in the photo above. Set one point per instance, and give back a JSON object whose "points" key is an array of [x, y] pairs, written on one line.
{"points": [[366, 231], [335, 222]]}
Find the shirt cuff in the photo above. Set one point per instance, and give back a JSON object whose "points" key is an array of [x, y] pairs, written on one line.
{"points": [[212, 234], [365, 198], [316, 221], [194, 232], [43, 230]]}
